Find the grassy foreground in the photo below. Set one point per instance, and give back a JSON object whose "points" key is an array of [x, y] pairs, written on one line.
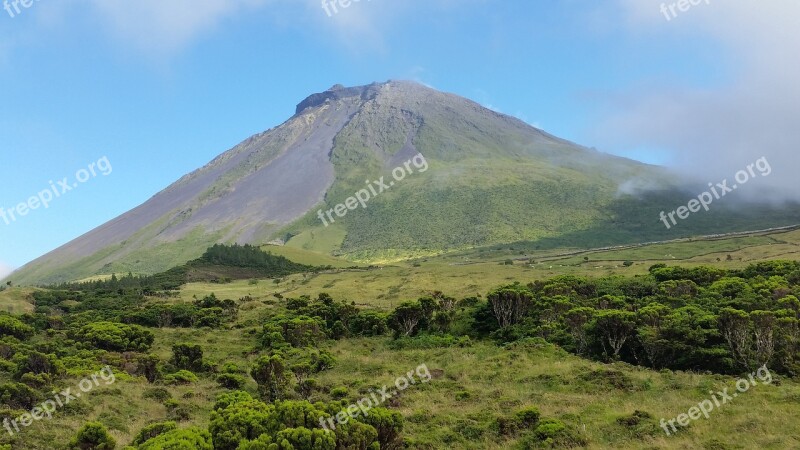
{"points": [[471, 387]]}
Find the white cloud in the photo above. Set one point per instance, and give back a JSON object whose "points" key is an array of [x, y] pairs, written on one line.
{"points": [[163, 27], [5, 270], [365, 24], [714, 132]]}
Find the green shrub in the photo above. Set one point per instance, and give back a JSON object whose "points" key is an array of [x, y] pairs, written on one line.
{"points": [[93, 436], [296, 423], [231, 398], [116, 337], [368, 323], [339, 392], [181, 377], [549, 429], [178, 413], [388, 424], [38, 364], [609, 378], [153, 430], [189, 439], [17, 395], [271, 376], [639, 424], [11, 326], [293, 438], [528, 417], [7, 366], [187, 357], [299, 331], [504, 426], [230, 368], [230, 381]]}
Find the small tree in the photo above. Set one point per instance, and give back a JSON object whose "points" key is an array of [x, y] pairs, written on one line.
{"points": [[576, 320], [187, 357], [405, 318], [147, 366], [764, 325], [735, 327], [269, 372], [510, 304], [614, 327]]}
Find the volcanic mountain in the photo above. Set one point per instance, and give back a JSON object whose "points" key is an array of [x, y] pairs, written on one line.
{"points": [[491, 179]]}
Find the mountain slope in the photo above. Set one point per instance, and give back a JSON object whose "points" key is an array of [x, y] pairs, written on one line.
{"points": [[490, 179]]}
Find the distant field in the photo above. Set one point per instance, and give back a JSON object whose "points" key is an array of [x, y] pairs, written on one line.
{"points": [[475, 273], [302, 256]]}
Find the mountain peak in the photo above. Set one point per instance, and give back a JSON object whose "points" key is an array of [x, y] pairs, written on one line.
{"points": [[338, 92]]}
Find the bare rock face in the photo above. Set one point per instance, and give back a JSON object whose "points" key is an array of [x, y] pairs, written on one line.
{"points": [[338, 92]]}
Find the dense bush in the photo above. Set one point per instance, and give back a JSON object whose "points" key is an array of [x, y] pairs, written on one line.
{"points": [[17, 395], [11, 326], [93, 436], [270, 373], [181, 377], [368, 324], [188, 357], [180, 439], [240, 420], [153, 430], [231, 381], [116, 336], [296, 331], [700, 318]]}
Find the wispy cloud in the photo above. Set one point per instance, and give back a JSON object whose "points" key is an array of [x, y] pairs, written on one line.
{"points": [[713, 131], [163, 27]]}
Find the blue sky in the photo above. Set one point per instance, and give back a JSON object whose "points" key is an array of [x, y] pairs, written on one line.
{"points": [[160, 88]]}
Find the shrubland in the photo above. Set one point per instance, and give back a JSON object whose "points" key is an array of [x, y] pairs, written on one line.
{"points": [[565, 362]]}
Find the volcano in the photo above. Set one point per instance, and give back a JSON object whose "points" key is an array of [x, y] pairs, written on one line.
{"points": [[493, 179]]}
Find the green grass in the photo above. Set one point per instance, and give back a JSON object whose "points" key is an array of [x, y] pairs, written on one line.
{"points": [[470, 387], [16, 300], [303, 256]]}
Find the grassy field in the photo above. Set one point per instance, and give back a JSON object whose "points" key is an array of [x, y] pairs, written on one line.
{"points": [[475, 273]]}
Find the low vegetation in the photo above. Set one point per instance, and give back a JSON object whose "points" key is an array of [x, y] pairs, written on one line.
{"points": [[564, 362]]}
